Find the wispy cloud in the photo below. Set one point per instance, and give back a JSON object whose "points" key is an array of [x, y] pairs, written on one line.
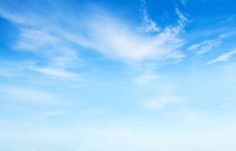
{"points": [[28, 95], [18, 69], [184, 2], [146, 78], [96, 76], [12, 69], [116, 39], [6, 72], [182, 18], [207, 45], [161, 101], [119, 40], [35, 40], [47, 45], [17, 18], [150, 25], [224, 57], [53, 113], [54, 72]]}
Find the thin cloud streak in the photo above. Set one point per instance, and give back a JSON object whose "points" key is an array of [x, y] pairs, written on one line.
{"points": [[160, 102], [116, 40], [55, 72], [207, 45], [24, 95], [146, 78], [150, 25], [224, 57]]}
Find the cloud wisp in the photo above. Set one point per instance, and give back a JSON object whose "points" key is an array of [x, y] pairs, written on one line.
{"points": [[150, 25], [207, 45], [116, 39], [224, 57], [24, 95], [160, 102], [146, 78], [54, 72]]}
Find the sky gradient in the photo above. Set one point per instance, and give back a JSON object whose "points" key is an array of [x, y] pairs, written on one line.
{"points": [[118, 75]]}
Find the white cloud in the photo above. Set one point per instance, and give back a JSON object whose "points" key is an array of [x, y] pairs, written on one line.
{"points": [[17, 18], [98, 31], [182, 18], [151, 26], [19, 69], [13, 69], [27, 95], [53, 113], [5, 72], [54, 72], [224, 57], [119, 40], [43, 37], [48, 44], [159, 102], [36, 40], [122, 137], [184, 2], [146, 78], [207, 45]]}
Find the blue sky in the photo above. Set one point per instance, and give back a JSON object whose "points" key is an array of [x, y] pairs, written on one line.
{"points": [[119, 75]]}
